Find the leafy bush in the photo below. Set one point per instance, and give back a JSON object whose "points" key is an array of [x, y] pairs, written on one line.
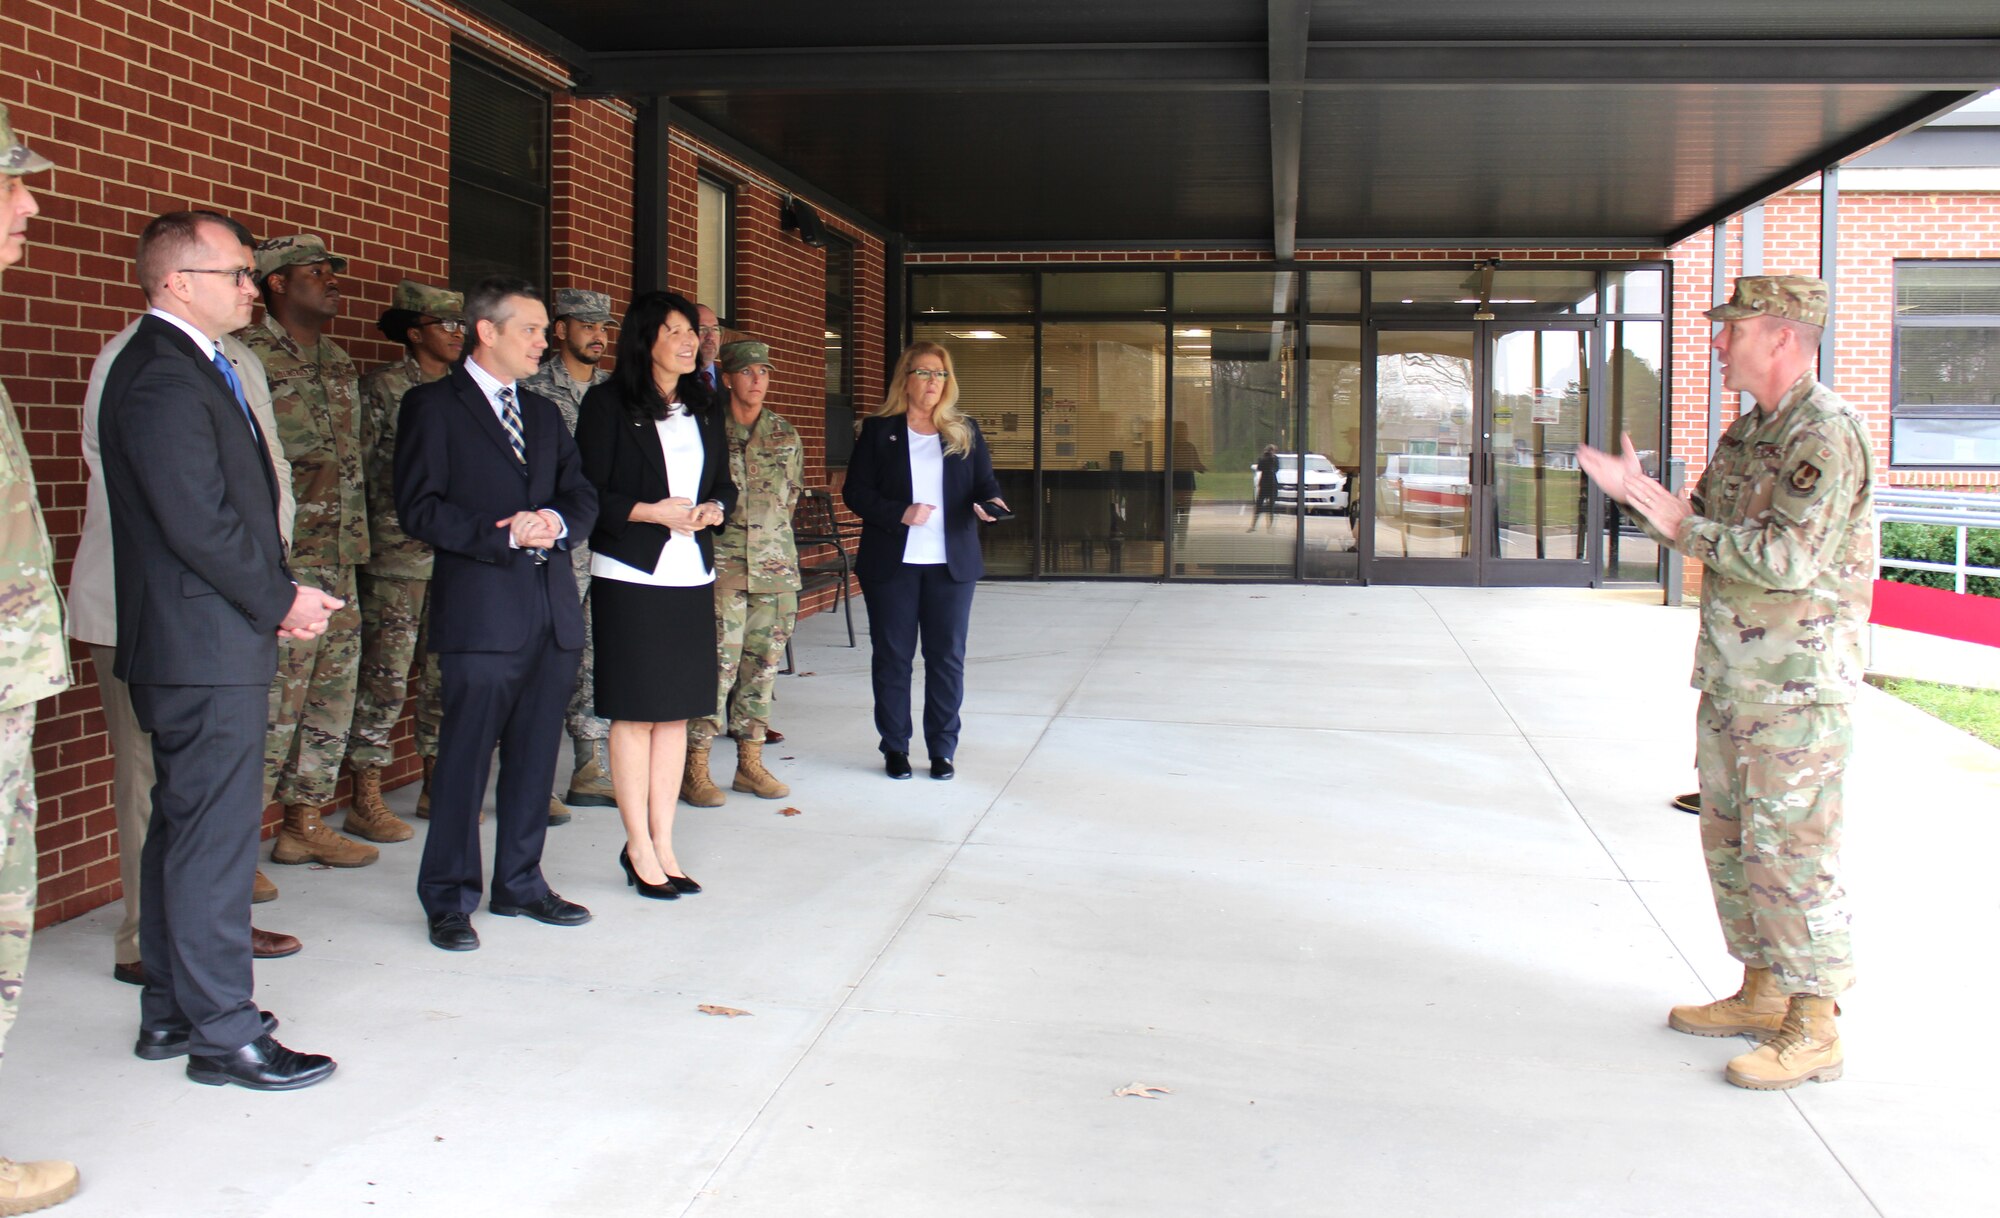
{"points": [[1939, 543]]}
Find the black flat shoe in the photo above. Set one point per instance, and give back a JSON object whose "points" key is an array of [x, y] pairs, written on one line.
{"points": [[170, 1043], [131, 974], [551, 910], [453, 932], [261, 1065], [942, 769], [668, 891], [683, 883], [897, 765]]}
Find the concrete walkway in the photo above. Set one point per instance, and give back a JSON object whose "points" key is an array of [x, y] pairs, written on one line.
{"points": [[1380, 883]]}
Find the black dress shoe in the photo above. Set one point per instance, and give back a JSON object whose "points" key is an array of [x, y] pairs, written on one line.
{"points": [[896, 764], [657, 892], [173, 1042], [453, 932], [942, 769], [261, 1065], [131, 974], [551, 909], [683, 883]]}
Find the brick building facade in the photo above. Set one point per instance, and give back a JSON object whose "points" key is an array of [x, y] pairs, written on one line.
{"points": [[336, 119]]}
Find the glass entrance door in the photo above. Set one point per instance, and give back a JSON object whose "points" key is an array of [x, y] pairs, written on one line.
{"points": [[1475, 473]]}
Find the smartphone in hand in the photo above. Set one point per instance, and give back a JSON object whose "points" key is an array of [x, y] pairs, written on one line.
{"points": [[997, 510]]}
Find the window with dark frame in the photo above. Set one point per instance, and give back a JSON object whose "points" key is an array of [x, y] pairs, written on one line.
{"points": [[500, 194], [715, 246], [1946, 408], [839, 350]]}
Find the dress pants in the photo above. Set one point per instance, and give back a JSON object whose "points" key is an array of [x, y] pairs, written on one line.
{"points": [[131, 792], [911, 600], [515, 699], [199, 860]]}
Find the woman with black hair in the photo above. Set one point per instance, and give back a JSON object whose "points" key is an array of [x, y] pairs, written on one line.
{"points": [[652, 442]]}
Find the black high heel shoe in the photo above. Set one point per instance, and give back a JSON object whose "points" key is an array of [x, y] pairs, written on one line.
{"points": [[658, 892], [683, 883]]}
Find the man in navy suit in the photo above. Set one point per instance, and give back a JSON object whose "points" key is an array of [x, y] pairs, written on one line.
{"points": [[489, 476], [203, 594]]}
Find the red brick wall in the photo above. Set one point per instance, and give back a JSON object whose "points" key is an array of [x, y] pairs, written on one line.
{"points": [[292, 116], [780, 297]]}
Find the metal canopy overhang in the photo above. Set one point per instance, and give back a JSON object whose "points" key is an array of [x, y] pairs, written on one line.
{"points": [[1245, 126]]}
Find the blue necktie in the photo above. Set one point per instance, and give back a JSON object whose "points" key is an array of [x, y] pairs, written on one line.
{"points": [[228, 372], [510, 420]]}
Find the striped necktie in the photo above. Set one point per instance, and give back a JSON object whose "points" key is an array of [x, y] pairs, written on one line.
{"points": [[510, 418]]}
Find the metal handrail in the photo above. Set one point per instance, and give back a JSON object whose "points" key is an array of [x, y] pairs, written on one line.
{"points": [[1958, 510]]}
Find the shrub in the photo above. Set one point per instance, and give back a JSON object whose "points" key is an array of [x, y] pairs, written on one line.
{"points": [[1939, 543]]}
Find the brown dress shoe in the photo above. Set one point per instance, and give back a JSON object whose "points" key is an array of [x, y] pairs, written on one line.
{"points": [[269, 945], [772, 735], [131, 974]]}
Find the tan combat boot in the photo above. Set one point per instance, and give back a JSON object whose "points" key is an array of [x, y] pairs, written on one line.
{"points": [[1807, 1047], [27, 1187], [424, 794], [558, 815], [697, 788], [304, 838], [590, 782], [262, 889], [1757, 1008], [751, 775], [369, 817]]}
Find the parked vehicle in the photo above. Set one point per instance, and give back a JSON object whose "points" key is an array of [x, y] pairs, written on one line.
{"points": [[1420, 484], [1326, 486]]}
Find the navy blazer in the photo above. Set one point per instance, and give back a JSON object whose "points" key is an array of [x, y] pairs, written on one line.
{"points": [[623, 460], [455, 474], [878, 490], [197, 559]]}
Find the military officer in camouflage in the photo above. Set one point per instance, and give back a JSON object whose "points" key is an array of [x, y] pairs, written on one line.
{"points": [[317, 399], [429, 322], [756, 579], [34, 663], [578, 339], [1782, 522]]}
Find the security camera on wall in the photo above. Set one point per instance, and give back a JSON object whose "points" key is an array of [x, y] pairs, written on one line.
{"points": [[800, 215]]}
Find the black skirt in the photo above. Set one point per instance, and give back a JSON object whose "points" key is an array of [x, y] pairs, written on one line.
{"points": [[654, 652]]}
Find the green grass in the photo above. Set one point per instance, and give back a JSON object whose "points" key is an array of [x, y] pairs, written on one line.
{"points": [[1969, 710]]}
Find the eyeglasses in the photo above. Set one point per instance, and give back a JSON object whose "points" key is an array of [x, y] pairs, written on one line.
{"points": [[241, 276], [449, 327], [931, 374], [709, 331]]}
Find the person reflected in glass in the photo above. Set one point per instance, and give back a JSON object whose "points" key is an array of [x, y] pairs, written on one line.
{"points": [[1267, 490], [919, 478], [1187, 463], [653, 444]]}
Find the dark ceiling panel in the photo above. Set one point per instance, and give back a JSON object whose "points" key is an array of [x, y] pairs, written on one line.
{"points": [[1677, 20], [1569, 162], [1046, 166], [622, 24]]}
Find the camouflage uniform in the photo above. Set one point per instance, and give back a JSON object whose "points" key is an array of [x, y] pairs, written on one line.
{"points": [[756, 576], [393, 587], [34, 663], [553, 382], [1784, 528], [317, 399]]}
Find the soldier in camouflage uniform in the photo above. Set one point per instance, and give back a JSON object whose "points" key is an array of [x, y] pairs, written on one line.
{"points": [[756, 579], [578, 338], [429, 322], [317, 399], [34, 663], [1783, 524]]}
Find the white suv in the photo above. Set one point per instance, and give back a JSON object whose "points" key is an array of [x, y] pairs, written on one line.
{"points": [[1326, 486]]}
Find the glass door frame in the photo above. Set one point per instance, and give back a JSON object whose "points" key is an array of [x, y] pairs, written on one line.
{"points": [[1478, 568]]}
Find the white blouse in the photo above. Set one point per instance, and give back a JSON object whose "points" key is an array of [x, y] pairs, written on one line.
{"points": [[680, 564], [926, 542]]}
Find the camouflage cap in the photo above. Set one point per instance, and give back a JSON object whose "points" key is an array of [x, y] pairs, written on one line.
{"points": [[582, 305], [1792, 297], [297, 250], [441, 303], [736, 356], [15, 157]]}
